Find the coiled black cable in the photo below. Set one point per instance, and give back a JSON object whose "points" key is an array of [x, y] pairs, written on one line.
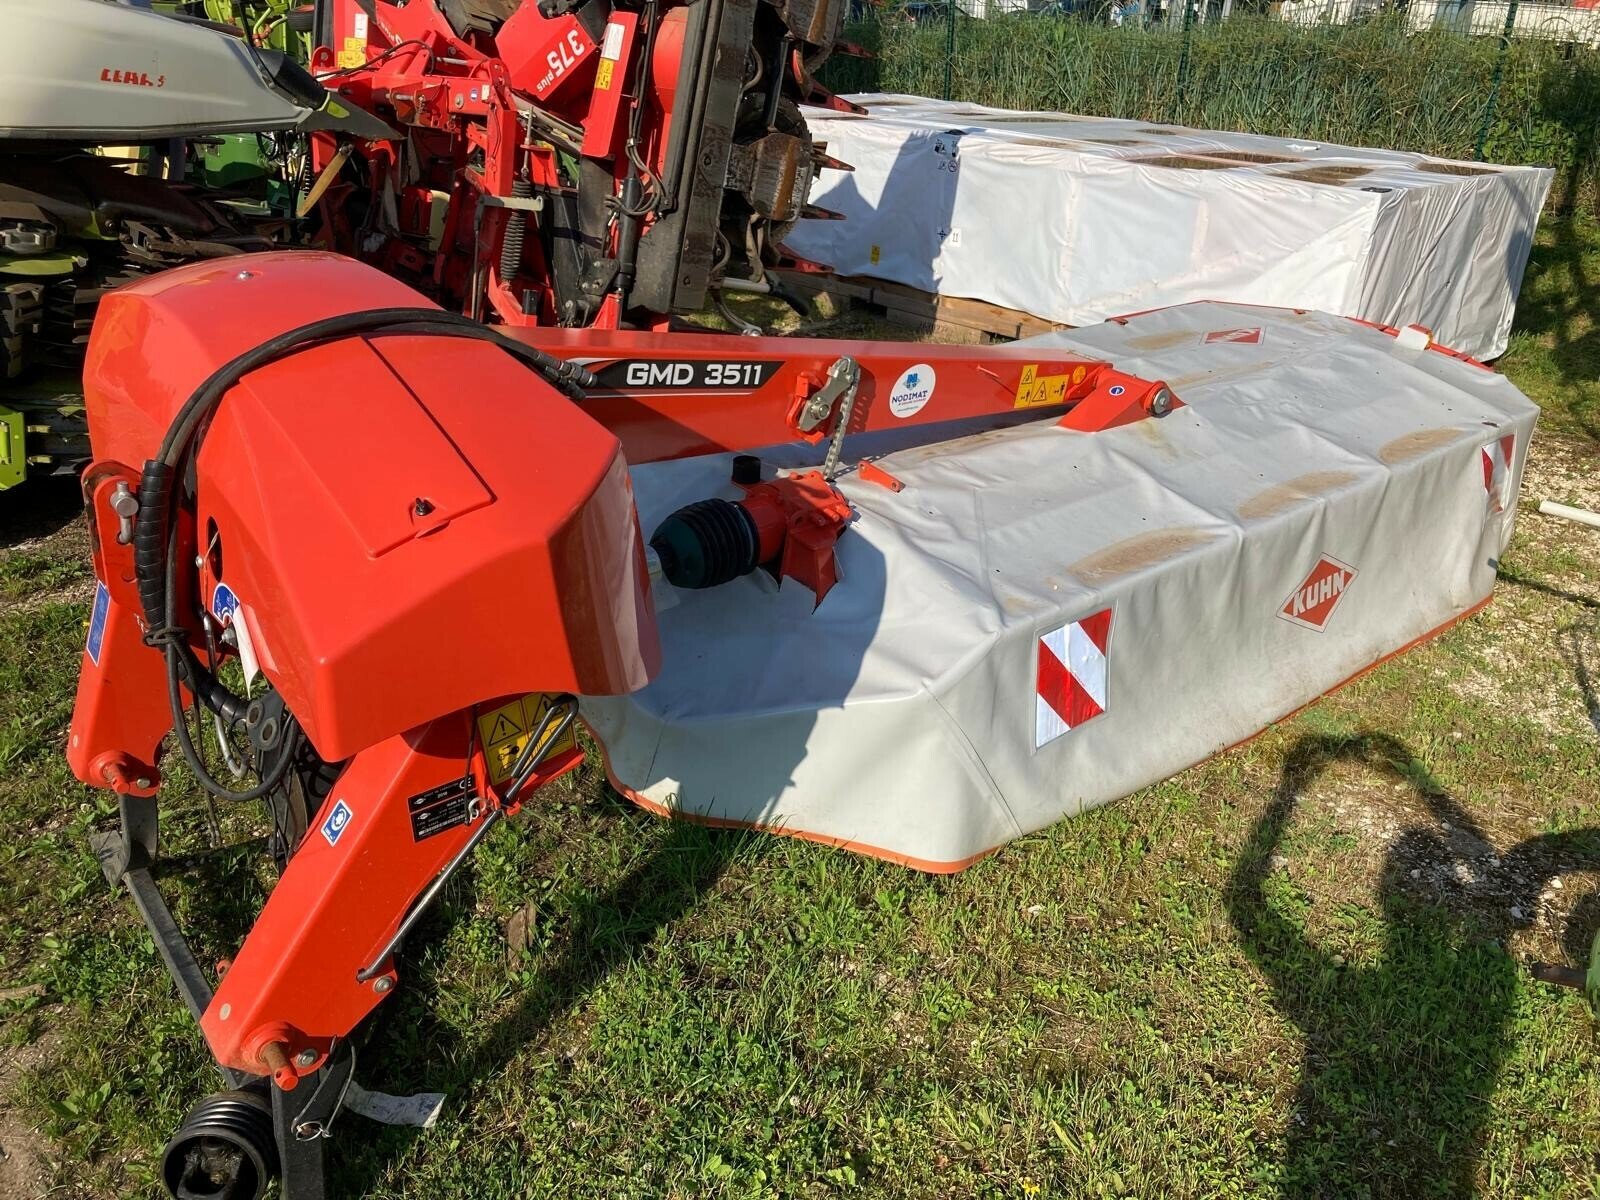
{"points": [[155, 556]]}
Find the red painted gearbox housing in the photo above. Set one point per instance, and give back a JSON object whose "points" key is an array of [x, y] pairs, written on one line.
{"points": [[412, 525]]}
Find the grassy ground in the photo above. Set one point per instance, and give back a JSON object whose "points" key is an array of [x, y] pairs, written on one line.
{"points": [[1295, 970]]}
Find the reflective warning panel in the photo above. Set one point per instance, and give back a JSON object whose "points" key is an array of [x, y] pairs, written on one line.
{"points": [[1070, 687], [505, 731]]}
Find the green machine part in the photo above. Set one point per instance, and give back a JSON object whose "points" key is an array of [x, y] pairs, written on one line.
{"points": [[1591, 981], [241, 160], [232, 160], [266, 21], [13, 448], [41, 417]]}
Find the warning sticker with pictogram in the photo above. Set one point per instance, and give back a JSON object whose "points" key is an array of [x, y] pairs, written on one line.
{"points": [[504, 732], [1319, 593], [1036, 391], [1070, 687], [1247, 337], [1497, 457]]}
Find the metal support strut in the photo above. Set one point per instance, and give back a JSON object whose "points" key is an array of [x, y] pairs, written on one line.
{"points": [[229, 1145]]}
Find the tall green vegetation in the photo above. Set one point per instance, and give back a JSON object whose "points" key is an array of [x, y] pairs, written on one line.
{"points": [[1372, 83]]}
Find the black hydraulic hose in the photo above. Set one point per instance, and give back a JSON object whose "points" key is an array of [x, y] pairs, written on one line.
{"points": [[150, 542], [628, 238], [191, 755]]}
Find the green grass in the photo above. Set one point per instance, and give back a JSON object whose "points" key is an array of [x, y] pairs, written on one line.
{"points": [[1554, 353], [1294, 970]]}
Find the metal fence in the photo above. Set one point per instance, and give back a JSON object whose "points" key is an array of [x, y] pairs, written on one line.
{"points": [[1504, 80]]}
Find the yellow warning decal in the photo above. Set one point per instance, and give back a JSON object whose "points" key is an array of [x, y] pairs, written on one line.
{"points": [[602, 77], [505, 731], [354, 53], [875, 254], [1036, 391]]}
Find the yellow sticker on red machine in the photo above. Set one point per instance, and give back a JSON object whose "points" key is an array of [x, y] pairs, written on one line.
{"points": [[602, 76], [1037, 391], [354, 53], [505, 732]]}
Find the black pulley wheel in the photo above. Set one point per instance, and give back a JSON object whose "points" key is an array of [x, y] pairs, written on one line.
{"points": [[225, 1149]]}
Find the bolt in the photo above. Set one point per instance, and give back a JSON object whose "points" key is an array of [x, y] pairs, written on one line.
{"points": [[123, 502], [1160, 402], [382, 984], [225, 1012], [277, 1063], [305, 1058], [460, 100], [243, 275], [141, 782], [421, 506]]}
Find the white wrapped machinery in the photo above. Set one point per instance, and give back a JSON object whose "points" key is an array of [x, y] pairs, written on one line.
{"points": [[1043, 620], [1077, 219]]}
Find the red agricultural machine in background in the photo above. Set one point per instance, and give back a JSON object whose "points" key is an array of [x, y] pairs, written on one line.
{"points": [[573, 163], [361, 544]]}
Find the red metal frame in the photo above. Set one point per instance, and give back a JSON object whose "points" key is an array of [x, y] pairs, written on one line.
{"points": [[672, 421], [342, 897], [455, 101], [402, 557]]}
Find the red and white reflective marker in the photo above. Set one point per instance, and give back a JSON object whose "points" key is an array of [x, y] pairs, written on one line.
{"points": [[1319, 593], [1248, 337], [1498, 456], [1071, 683]]}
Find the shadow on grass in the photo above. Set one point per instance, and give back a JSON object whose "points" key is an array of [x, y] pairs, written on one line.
{"points": [[39, 507], [603, 933], [1575, 641], [1506, 575], [1401, 1057]]}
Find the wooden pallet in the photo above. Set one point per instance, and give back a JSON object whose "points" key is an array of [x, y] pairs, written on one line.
{"points": [[951, 317]]}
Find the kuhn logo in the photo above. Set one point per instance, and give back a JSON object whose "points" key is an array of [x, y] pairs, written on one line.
{"points": [[1249, 337], [1313, 602]]}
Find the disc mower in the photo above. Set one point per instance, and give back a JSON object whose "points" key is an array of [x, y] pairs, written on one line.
{"points": [[379, 523]]}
